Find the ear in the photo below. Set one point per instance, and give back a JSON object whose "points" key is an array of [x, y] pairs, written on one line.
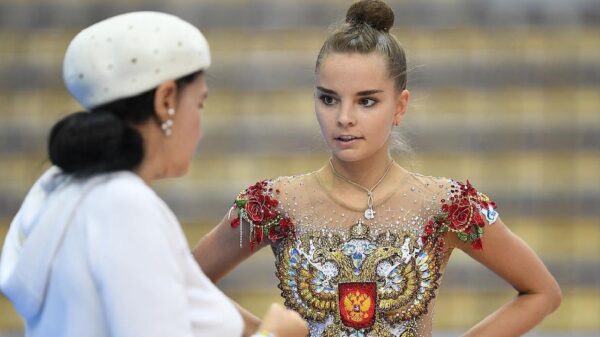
{"points": [[165, 98], [402, 99]]}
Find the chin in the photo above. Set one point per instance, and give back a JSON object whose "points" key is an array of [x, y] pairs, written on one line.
{"points": [[182, 170], [177, 171], [348, 155]]}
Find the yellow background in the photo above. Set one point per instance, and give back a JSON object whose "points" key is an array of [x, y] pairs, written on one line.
{"points": [[504, 93]]}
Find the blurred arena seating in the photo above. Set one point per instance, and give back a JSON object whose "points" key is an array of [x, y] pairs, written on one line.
{"points": [[504, 93]]}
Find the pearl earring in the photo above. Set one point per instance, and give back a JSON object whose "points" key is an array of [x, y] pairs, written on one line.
{"points": [[167, 126]]}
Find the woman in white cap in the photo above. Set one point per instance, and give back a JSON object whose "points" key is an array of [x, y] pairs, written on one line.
{"points": [[93, 250]]}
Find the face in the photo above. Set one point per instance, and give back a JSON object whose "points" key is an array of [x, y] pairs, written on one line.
{"points": [[357, 104], [187, 130]]}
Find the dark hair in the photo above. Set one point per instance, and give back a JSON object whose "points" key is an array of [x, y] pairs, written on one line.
{"points": [[104, 140], [366, 30]]}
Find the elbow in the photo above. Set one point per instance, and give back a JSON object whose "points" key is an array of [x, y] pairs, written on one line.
{"points": [[556, 299], [547, 299], [553, 297]]}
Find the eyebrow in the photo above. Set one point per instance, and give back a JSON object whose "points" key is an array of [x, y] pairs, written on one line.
{"points": [[368, 92], [360, 93]]}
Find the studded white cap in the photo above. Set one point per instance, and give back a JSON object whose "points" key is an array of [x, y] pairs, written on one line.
{"points": [[129, 54]]}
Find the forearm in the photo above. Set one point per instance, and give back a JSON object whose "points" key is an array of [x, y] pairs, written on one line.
{"points": [[516, 317], [251, 322], [218, 252]]}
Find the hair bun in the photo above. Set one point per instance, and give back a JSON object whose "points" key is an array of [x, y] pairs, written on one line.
{"points": [[374, 13], [87, 143]]}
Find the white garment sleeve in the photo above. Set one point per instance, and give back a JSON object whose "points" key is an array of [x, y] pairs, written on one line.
{"points": [[137, 264]]}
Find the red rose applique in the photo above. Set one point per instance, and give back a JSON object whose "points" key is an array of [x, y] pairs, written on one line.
{"points": [[257, 207], [462, 214]]}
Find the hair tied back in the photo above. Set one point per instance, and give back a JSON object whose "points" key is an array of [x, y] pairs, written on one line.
{"points": [[374, 13]]}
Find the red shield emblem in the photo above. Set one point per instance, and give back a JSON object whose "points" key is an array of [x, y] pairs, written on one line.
{"points": [[357, 303]]}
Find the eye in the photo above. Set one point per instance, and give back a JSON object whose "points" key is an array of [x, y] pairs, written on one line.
{"points": [[367, 102], [328, 100]]}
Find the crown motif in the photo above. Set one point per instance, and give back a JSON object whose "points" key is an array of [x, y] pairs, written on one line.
{"points": [[387, 239], [359, 230]]}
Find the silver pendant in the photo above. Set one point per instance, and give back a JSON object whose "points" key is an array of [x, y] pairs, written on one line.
{"points": [[369, 214]]}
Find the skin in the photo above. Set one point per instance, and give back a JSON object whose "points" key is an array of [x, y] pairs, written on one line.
{"points": [[357, 98], [538, 293], [354, 95], [171, 157]]}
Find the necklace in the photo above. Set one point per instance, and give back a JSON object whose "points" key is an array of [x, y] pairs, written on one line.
{"points": [[369, 212]]}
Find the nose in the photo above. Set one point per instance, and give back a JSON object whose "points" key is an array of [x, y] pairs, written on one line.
{"points": [[345, 116]]}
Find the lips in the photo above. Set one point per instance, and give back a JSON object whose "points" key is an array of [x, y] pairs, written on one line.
{"points": [[347, 138]]}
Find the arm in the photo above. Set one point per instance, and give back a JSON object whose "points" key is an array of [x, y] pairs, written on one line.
{"points": [[219, 252], [256, 217], [510, 258], [251, 322], [281, 322], [232, 240]]}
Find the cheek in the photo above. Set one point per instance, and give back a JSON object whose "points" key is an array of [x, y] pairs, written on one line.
{"points": [[318, 115], [324, 119], [191, 129], [386, 116], [192, 136], [192, 120], [379, 125], [197, 124], [317, 111]]}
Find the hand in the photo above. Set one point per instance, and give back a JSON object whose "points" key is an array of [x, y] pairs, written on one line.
{"points": [[282, 322]]}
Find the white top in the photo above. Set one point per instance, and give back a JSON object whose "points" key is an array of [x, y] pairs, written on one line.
{"points": [[106, 257]]}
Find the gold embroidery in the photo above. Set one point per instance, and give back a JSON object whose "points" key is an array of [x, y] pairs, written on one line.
{"points": [[405, 269]]}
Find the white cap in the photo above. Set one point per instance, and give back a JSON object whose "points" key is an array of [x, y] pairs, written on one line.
{"points": [[129, 54]]}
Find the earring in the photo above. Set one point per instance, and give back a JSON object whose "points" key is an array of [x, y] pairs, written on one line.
{"points": [[167, 126]]}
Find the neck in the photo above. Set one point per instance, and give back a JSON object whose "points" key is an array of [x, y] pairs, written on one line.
{"points": [[151, 167], [146, 171], [367, 172]]}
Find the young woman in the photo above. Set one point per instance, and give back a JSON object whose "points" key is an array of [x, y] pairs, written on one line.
{"points": [[93, 250], [361, 244]]}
